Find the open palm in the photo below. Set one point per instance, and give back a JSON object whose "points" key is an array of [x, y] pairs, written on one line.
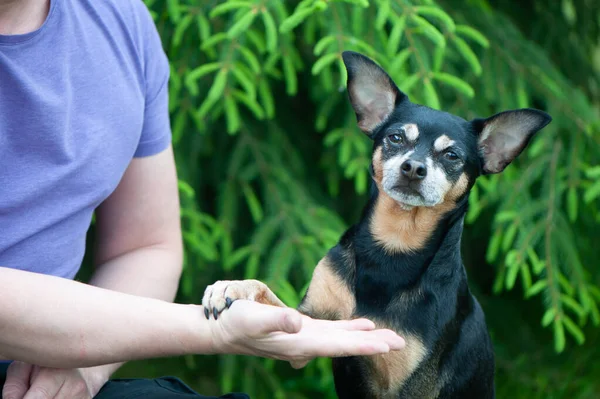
{"points": [[251, 328]]}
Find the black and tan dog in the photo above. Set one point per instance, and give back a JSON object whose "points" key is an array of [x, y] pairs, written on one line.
{"points": [[401, 266]]}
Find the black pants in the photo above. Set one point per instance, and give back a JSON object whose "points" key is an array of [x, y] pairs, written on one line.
{"points": [[165, 387]]}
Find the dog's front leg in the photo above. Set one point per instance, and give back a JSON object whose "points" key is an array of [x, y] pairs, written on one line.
{"points": [[220, 295], [328, 297]]}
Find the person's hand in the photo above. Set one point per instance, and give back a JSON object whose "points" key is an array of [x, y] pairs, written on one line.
{"points": [[251, 328], [26, 381]]}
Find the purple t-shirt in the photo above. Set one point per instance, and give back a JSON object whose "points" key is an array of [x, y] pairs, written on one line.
{"points": [[79, 99]]}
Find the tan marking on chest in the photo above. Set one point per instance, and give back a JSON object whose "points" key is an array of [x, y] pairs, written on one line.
{"points": [[328, 294], [391, 370], [406, 299], [401, 230]]}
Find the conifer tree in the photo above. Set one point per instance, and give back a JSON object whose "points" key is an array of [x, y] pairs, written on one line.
{"points": [[273, 168]]}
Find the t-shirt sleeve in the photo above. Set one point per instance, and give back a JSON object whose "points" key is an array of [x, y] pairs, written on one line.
{"points": [[156, 130]]}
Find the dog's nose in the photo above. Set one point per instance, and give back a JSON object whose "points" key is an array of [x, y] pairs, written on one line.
{"points": [[413, 170]]}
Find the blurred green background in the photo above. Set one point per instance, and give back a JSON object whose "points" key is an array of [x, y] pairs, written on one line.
{"points": [[273, 168]]}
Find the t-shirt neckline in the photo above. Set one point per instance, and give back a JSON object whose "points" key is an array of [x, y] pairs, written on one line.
{"points": [[24, 37]]}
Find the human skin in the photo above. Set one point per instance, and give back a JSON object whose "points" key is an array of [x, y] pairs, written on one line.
{"points": [[22, 16]]}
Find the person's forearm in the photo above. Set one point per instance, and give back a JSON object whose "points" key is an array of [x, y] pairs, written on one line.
{"points": [[149, 272], [56, 322]]}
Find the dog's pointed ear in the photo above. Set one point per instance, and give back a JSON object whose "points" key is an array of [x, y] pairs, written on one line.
{"points": [[372, 92], [502, 137]]}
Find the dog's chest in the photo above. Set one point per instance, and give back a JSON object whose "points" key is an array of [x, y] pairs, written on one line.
{"points": [[380, 278], [405, 311], [386, 374], [389, 372], [405, 374], [373, 291]]}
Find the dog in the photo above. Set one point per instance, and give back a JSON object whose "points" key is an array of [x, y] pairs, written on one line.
{"points": [[401, 265]]}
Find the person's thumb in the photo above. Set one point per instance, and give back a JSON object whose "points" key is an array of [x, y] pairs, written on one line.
{"points": [[281, 320], [298, 364]]}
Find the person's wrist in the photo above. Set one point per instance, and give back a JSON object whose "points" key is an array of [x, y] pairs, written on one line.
{"points": [[222, 338], [218, 341], [199, 336]]}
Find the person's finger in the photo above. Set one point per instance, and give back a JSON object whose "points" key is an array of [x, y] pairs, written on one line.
{"points": [[390, 337], [351, 347], [383, 336], [298, 364], [35, 370], [351, 325], [74, 388], [346, 343], [46, 385], [17, 380], [275, 319], [395, 341], [360, 346], [356, 324], [365, 348]]}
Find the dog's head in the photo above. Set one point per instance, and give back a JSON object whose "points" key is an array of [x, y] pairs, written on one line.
{"points": [[425, 157]]}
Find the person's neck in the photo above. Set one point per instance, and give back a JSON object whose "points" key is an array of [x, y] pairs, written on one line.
{"points": [[18, 17]]}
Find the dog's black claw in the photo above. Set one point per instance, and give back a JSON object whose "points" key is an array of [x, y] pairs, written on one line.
{"points": [[206, 313], [228, 302], [215, 313]]}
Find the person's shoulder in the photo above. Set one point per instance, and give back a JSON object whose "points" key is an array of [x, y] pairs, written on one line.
{"points": [[128, 22], [135, 10], [127, 25], [134, 14]]}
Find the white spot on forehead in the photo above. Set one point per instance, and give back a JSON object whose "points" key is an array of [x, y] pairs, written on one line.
{"points": [[442, 142], [412, 131]]}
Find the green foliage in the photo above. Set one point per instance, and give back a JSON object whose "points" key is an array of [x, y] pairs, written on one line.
{"points": [[273, 167]]}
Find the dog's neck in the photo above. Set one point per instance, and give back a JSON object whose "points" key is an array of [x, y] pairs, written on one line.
{"points": [[409, 242], [399, 230]]}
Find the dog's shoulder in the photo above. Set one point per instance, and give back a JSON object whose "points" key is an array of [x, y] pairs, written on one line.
{"points": [[330, 294]]}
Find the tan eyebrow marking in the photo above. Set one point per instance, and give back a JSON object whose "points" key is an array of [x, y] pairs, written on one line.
{"points": [[442, 142], [412, 131]]}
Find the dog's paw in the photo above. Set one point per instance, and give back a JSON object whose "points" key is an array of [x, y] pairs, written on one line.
{"points": [[220, 295]]}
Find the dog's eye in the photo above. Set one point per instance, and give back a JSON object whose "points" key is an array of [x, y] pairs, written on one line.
{"points": [[395, 138], [451, 155]]}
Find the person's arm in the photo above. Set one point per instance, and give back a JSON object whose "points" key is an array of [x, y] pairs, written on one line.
{"points": [[138, 240], [54, 322], [138, 237], [138, 245]]}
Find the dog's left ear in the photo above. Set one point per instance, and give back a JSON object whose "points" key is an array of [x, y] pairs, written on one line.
{"points": [[502, 137]]}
